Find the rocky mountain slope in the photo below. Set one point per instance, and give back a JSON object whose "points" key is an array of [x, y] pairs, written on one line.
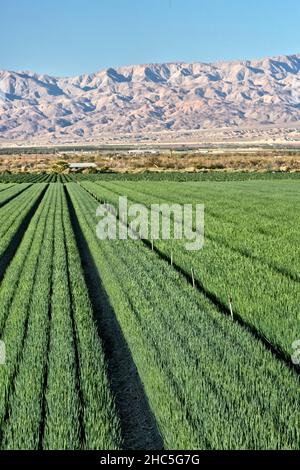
{"points": [[150, 98]]}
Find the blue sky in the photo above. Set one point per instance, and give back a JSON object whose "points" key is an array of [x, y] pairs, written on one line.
{"points": [[69, 37]]}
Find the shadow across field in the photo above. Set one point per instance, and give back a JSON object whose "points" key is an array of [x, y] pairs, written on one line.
{"points": [[13, 196], [16, 239], [138, 424], [274, 348]]}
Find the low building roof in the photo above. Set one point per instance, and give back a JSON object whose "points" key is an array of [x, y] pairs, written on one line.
{"points": [[82, 165]]}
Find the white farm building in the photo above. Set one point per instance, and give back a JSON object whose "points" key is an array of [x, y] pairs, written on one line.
{"points": [[81, 166]]}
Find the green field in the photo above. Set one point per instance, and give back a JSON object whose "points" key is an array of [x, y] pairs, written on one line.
{"points": [[133, 344], [213, 176]]}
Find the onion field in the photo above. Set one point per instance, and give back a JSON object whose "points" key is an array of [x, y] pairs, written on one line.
{"points": [[142, 344]]}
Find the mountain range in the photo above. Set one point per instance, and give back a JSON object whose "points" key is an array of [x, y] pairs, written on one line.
{"points": [[152, 98]]}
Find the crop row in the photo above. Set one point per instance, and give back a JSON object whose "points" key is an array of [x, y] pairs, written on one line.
{"points": [[14, 212], [100, 422], [54, 390], [27, 178], [182, 177], [209, 382], [31, 269], [12, 192], [15, 319], [178, 177], [5, 186], [77, 371]]}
